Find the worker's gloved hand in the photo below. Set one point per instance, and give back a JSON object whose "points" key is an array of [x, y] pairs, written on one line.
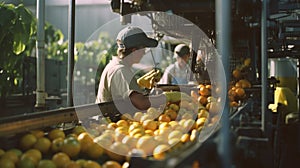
{"points": [[149, 79], [176, 96]]}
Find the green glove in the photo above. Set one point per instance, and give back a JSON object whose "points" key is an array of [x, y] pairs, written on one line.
{"points": [[176, 96]]}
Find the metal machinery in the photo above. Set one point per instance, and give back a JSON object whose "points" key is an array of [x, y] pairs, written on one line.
{"points": [[258, 137], [259, 29]]}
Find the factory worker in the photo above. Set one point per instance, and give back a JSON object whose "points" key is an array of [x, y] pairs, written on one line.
{"points": [[178, 72], [118, 79]]}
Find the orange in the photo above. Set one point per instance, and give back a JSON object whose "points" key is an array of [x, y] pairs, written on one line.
{"points": [[71, 146], [117, 151], [18, 152], [57, 144], [236, 74], [122, 123], [56, 133], [36, 154], [43, 144], [134, 125], [240, 92], [189, 124], [232, 92], [202, 100], [208, 86], [203, 113], [171, 113], [247, 61], [149, 132], [6, 163], [164, 118], [78, 129], [85, 141], [147, 144], [129, 141], [185, 137], [10, 155], [175, 134], [245, 83], [72, 164], [160, 151], [200, 122], [112, 126], [121, 129], [137, 116], [46, 164], [27, 141], [26, 163], [204, 91], [174, 106], [104, 142], [111, 164], [94, 151], [32, 154], [175, 143], [149, 125], [81, 162], [91, 164], [140, 130], [60, 159], [233, 104], [38, 133], [238, 85]]}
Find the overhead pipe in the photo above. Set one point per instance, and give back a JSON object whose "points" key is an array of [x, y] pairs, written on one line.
{"points": [[71, 30], [40, 57], [223, 32]]}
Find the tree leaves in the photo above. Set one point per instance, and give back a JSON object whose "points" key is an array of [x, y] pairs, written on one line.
{"points": [[17, 25]]}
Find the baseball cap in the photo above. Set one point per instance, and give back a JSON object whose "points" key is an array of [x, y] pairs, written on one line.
{"points": [[181, 50], [134, 37]]}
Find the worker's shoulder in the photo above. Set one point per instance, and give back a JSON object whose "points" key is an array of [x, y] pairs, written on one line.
{"points": [[170, 67]]}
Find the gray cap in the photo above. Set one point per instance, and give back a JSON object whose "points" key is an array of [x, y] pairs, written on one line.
{"points": [[181, 50], [134, 37]]}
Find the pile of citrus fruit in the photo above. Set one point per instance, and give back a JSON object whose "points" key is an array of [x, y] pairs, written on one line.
{"points": [[55, 149], [154, 133]]}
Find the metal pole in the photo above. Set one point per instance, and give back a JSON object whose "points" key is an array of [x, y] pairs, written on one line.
{"points": [[264, 64], [71, 30], [40, 56], [223, 28]]}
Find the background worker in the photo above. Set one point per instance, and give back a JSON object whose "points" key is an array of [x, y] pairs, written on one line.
{"points": [[118, 79], [178, 72]]}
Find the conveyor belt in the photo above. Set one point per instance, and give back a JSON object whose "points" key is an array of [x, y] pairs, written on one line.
{"points": [[38, 120]]}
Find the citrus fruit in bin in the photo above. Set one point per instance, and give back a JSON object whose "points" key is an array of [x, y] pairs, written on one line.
{"points": [[85, 141], [27, 141], [71, 146], [56, 133], [32, 154], [46, 163], [42, 144], [7, 163], [60, 159]]}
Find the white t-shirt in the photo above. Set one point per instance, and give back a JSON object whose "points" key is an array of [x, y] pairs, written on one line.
{"points": [[175, 75], [117, 82]]}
